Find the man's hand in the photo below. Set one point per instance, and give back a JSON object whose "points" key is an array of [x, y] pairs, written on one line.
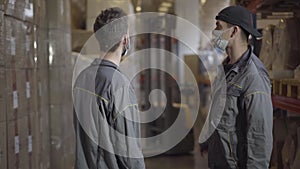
{"points": [[203, 149]]}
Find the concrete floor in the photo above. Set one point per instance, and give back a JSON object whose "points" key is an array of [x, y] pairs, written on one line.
{"points": [[188, 161]]}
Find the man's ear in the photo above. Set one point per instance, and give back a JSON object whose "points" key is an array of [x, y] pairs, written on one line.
{"points": [[235, 30], [125, 39]]}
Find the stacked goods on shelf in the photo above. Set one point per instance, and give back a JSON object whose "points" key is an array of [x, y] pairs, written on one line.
{"points": [[3, 124], [25, 132], [286, 87], [266, 54], [20, 91], [2, 61], [297, 73], [2, 5], [280, 54], [286, 46], [60, 81], [20, 9]]}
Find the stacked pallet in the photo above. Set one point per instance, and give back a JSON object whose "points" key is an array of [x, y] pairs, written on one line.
{"points": [[34, 97], [286, 87], [18, 70], [281, 47]]}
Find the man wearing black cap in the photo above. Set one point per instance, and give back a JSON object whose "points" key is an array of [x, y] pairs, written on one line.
{"points": [[243, 137]]}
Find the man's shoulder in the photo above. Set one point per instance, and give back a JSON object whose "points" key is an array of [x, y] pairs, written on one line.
{"points": [[256, 76]]}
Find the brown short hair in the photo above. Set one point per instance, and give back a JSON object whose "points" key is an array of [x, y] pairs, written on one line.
{"points": [[109, 37]]}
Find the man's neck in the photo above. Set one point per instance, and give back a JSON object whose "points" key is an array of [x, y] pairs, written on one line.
{"points": [[236, 52], [113, 57]]}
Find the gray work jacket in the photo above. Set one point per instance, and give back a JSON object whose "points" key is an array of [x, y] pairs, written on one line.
{"points": [[106, 119], [243, 137]]}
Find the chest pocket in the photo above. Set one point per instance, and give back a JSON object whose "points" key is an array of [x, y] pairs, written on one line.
{"points": [[234, 89], [231, 110]]}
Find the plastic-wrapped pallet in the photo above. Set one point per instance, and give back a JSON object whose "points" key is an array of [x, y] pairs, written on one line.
{"points": [[21, 9], [15, 43], [2, 4], [3, 123], [286, 46], [266, 53], [39, 8], [297, 73], [2, 57]]}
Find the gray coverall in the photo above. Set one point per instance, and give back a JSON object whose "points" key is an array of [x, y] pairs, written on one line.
{"points": [[243, 137], [106, 117]]}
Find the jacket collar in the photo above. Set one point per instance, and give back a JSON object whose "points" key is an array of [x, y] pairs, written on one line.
{"points": [[242, 62], [103, 62]]}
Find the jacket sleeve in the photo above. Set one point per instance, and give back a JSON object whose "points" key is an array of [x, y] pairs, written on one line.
{"points": [[259, 112], [126, 124]]}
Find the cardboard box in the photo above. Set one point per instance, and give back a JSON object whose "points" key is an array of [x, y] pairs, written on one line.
{"points": [[21, 9], [29, 46], [2, 5], [13, 155], [14, 41], [24, 155], [23, 97], [22, 127], [286, 44], [2, 95], [3, 145], [2, 51], [297, 73], [16, 97], [24, 144], [266, 54], [18, 43]]}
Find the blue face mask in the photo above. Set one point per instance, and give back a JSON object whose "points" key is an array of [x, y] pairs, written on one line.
{"points": [[218, 42]]}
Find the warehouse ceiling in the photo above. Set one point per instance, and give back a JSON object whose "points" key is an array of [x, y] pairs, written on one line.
{"points": [[166, 6]]}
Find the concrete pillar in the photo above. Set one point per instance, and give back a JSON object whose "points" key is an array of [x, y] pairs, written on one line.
{"points": [[188, 10]]}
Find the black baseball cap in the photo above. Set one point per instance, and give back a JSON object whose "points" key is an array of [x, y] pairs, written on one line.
{"points": [[240, 16]]}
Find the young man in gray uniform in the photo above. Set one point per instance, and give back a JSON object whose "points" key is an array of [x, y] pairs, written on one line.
{"points": [[243, 136], [106, 115]]}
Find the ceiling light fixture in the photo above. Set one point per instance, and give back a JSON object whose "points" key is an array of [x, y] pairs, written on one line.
{"points": [[138, 8]]}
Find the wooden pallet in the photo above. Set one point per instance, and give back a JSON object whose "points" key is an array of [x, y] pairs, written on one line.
{"points": [[286, 87], [275, 86]]}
